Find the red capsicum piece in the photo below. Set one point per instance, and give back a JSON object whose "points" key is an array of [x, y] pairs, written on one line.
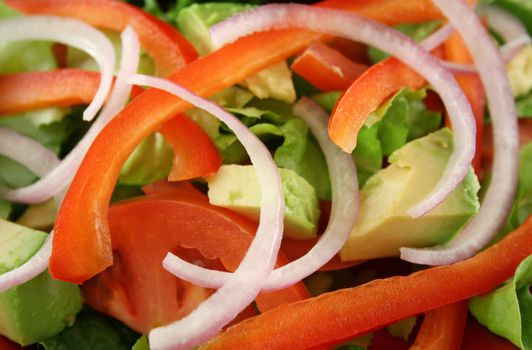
{"points": [[326, 68], [164, 43], [347, 313], [455, 50], [33, 90], [365, 95], [81, 225], [479, 337], [190, 144], [138, 291], [442, 329]]}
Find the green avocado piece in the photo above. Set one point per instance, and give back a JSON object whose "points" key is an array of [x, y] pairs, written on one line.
{"points": [[383, 224], [236, 187], [41, 307]]}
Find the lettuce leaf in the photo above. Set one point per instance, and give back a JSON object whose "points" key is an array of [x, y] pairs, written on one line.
{"points": [[92, 330], [149, 162], [415, 31], [507, 311], [523, 106], [522, 9], [5, 209]]}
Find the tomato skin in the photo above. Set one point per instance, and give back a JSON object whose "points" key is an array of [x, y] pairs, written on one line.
{"points": [[138, 291], [478, 337]]}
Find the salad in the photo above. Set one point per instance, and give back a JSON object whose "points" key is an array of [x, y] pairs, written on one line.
{"points": [[227, 175]]}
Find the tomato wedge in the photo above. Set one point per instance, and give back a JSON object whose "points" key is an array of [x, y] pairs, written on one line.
{"points": [[33, 90], [479, 337], [85, 206], [137, 290], [164, 43]]}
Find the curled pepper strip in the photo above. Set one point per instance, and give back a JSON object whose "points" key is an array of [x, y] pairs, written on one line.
{"points": [[347, 313]]}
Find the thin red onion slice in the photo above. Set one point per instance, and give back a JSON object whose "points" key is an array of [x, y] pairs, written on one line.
{"points": [[28, 152], [247, 281], [361, 29], [344, 187], [39, 262], [36, 265], [70, 32], [498, 199], [60, 177]]}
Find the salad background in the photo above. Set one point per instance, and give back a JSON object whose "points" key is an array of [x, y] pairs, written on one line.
{"points": [[403, 118]]}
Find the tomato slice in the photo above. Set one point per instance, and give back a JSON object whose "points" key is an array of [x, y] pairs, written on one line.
{"points": [[479, 337], [137, 290]]}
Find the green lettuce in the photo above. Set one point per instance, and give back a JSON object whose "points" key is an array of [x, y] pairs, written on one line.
{"points": [[507, 311], [522, 206], [522, 9], [415, 31], [91, 331], [141, 344], [523, 106], [5, 209]]}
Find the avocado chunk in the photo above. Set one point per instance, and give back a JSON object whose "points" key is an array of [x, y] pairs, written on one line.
{"points": [[236, 187], [41, 307], [383, 224]]}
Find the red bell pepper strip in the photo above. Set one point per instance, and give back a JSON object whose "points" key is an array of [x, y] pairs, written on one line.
{"points": [[442, 329], [365, 95], [81, 225], [164, 43], [326, 68], [456, 51], [347, 313], [6, 344], [138, 291], [33, 90], [190, 144]]}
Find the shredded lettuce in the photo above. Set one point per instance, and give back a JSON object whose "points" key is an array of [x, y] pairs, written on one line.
{"points": [[507, 311]]}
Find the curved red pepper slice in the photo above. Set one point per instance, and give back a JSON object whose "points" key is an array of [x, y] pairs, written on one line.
{"points": [[33, 90], [81, 225], [365, 95], [164, 43], [356, 311]]}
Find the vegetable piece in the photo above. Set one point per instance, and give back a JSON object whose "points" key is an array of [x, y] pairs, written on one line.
{"points": [[298, 325], [507, 310], [369, 91], [190, 144], [162, 41], [69, 32], [498, 199], [456, 51], [140, 242], [326, 68], [442, 329], [84, 208], [33, 90]]}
